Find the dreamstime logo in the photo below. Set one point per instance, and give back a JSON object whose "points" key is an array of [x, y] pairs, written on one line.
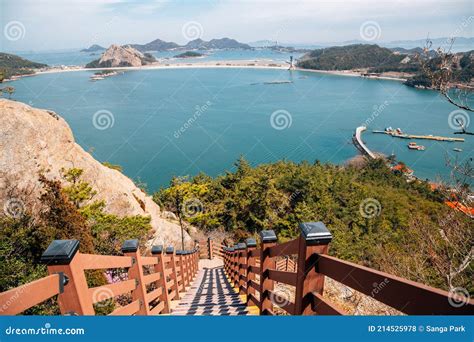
{"points": [[458, 119], [102, 297], [199, 110], [192, 207], [370, 30], [459, 296], [14, 208], [192, 30], [377, 110], [281, 119], [281, 298], [103, 119], [370, 208], [378, 287], [14, 30]]}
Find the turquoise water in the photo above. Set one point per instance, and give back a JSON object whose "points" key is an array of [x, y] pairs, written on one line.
{"points": [[234, 118], [75, 57]]}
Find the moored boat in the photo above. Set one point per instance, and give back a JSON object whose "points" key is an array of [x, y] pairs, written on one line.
{"points": [[415, 146]]}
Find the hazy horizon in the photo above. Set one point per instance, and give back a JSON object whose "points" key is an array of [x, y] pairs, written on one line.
{"points": [[42, 25]]}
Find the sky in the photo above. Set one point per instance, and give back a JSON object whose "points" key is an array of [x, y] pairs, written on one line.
{"points": [[36, 25]]}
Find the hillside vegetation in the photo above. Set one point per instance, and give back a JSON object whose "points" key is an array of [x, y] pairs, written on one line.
{"points": [[12, 65], [377, 219], [376, 59], [350, 57], [66, 212]]}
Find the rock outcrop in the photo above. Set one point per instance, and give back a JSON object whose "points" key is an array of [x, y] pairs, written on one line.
{"points": [[34, 141], [121, 56]]}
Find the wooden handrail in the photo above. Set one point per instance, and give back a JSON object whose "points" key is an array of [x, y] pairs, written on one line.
{"points": [[129, 309], [67, 279], [401, 294], [104, 292], [309, 272], [287, 248], [99, 262], [322, 307], [21, 298], [283, 303], [288, 278]]}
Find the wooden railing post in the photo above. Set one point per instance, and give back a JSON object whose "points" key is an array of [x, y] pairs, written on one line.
{"points": [[235, 268], [130, 248], [187, 257], [162, 282], [62, 256], [250, 291], [210, 246], [180, 269], [314, 240], [174, 275], [268, 239], [242, 267], [196, 261]]}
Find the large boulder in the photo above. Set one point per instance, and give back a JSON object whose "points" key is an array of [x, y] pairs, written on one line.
{"points": [[34, 141], [121, 56]]}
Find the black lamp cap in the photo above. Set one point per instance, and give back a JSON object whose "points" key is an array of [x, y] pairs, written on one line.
{"points": [[251, 242], [170, 250], [60, 252], [315, 233], [180, 252], [240, 245], [158, 249], [268, 236], [130, 246]]}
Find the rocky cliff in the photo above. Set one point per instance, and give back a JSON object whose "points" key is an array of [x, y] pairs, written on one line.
{"points": [[34, 141], [121, 56]]}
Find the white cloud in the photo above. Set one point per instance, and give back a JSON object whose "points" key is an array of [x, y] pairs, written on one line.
{"points": [[75, 23]]}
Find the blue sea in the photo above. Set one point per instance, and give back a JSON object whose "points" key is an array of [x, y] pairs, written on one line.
{"points": [[160, 123]]}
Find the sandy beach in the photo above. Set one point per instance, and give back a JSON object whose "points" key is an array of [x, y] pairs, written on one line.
{"points": [[255, 64]]}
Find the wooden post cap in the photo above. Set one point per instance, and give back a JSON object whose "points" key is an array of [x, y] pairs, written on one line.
{"points": [[130, 246], [170, 250], [268, 236], [315, 233], [60, 252], [251, 242], [240, 245], [158, 249]]}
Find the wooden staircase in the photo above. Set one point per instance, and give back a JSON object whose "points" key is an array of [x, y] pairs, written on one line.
{"points": [[211, 294], [239, 280]]}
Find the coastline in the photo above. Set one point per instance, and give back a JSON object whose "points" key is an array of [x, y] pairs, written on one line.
{"points": [[250, 64]]}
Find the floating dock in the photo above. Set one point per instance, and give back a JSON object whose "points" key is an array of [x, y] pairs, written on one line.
{"points": [[425, 137]]}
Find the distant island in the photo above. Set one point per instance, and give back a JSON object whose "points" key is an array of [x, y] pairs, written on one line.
{"points": [[12, 65], [94, 48], [189, 54], [121, 56], [196, 44]]}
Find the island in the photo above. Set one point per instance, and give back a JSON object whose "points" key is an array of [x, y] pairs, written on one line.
{"points": [[189, 54], [93, 48], [121, 56]]}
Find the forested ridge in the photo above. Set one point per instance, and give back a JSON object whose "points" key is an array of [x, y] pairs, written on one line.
{"points": [[377, 219]]}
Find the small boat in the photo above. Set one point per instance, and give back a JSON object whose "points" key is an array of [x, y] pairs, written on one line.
{"points": [[457, 149], [415, 146]]}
